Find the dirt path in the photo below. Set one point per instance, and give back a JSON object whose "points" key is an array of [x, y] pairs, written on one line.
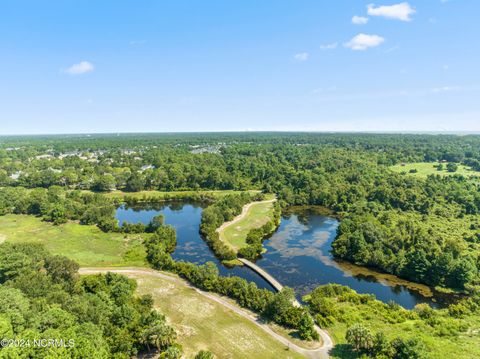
{"points": [[243, 214], [319, 353], [238, 218]]}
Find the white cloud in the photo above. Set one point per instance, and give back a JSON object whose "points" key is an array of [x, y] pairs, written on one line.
{"points": [[446, 89], [359, 20], [400, 11], [363, 42], [331, 46], [302, 56], [81, 68]]}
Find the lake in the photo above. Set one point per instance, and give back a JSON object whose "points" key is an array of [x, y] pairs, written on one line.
{"points": [[298, 254]]}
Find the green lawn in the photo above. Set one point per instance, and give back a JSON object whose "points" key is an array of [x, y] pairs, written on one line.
{"points": [[425, 169], [202, 323], [87, 245], [236, 233]]}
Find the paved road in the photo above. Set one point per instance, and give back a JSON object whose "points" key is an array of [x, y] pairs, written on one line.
{"points": [[319, 353]]}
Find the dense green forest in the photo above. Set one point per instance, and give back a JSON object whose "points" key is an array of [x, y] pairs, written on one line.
{"points": [[98, 316]]}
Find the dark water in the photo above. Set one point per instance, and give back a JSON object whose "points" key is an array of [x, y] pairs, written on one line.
{"points": [[190, 245], [298, 253]]}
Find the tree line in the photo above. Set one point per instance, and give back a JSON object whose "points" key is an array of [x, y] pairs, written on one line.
{"points": [[42, 296]]}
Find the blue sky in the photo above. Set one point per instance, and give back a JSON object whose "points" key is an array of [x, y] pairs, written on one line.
{"points": [[175, 65]]}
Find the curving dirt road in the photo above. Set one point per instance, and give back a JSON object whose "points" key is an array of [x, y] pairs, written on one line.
{"points": [[319, 353], [243, 214]]}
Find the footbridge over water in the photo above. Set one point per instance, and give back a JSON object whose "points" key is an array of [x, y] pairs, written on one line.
{"points": [[265, 275]]}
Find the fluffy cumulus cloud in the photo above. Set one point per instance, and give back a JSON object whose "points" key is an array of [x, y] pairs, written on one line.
{"points": [[402, 11], [359, 20], [302, 56], [363, 42], [82, 67]]}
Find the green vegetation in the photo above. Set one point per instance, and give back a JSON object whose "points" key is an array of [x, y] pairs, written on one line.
{"points": [[255, 236], [422, 225], [42, 297], [223, 210], [156, 196], [279, 307], [202, 323], [425, 169], [257, 215], [362, 324], [423, 248], [87, 245]]}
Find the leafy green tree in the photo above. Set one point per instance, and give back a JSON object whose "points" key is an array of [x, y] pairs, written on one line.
{"points": [[452, 167], [104, 183], [56, 214], [359, 337], [306, 327], [61, 269], [135, 183], [409, 349]]}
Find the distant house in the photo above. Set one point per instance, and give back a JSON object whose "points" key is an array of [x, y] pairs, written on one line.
{"points": [[206, 149], [15, 176], [42, 157], [147, 167]]}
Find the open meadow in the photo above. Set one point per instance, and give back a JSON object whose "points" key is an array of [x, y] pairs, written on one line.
{"points": [[235, 232], [424, 169], [87, 245]]}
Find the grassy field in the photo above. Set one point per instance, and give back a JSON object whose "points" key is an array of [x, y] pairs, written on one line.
{"points": [[87, 245], [205, 324], [439, 339], [159, 195], [425, 169], [257, 215]]}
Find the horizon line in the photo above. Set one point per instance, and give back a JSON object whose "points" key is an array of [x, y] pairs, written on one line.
{"points": [[409, 132]]}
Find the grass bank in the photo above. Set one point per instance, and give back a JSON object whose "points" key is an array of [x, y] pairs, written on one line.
{"points": [[234, 233], [444, 336], [87, 245]]}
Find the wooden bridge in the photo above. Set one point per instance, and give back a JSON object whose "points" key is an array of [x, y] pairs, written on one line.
{"points": [[265, 275]]}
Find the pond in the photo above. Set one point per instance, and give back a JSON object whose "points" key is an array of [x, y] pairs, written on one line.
{"points": [[186, 217], [298, 254]]}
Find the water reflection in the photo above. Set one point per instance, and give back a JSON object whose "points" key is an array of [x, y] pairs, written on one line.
{"points": [[298, 255]]}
